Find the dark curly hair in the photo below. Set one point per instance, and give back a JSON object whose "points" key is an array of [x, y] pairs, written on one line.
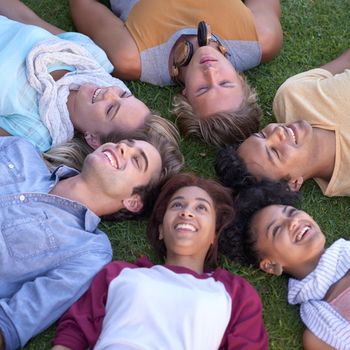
{"points": [[238, 241], [220, 196], [232, 170]]}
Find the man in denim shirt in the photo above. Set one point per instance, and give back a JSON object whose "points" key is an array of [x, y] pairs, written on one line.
{"points": [[50, 246]]}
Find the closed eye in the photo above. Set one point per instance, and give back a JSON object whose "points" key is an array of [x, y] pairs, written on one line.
{"points": [[227, 83], [109, 109], [275, 152], [126, 94], [275, 230], [292, 211], [137, 162], [202, 90]]}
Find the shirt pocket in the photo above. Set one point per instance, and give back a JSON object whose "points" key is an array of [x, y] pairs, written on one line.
{"points": [[10, 174], [28, 237]]}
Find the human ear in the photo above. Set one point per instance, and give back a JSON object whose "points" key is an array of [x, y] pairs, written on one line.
{"points": [[133, 204], [92, 140], [295, 184], [271, 267], [160, 230]]}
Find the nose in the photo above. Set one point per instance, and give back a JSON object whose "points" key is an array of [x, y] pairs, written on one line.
{"points": [[210, 73], [124, 154], [110, 94], [278, 134], [186, 213], [292, 223]]}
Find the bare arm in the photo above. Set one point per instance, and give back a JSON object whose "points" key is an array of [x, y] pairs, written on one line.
{"points": [[339, 64], [2, 342], [109, 32], [311, 342], [267, 15], [16, 10], [3, 132]]}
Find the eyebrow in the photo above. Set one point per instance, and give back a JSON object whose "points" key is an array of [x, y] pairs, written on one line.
{"points": [[143, 155]]}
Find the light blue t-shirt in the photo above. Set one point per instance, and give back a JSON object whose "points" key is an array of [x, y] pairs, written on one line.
{"points": [[19, 102]]}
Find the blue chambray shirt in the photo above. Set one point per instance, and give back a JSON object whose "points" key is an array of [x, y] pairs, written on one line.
{"points": [[50, 247]]}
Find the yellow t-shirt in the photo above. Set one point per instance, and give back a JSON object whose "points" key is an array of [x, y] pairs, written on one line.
{"points": [[323, 100]]}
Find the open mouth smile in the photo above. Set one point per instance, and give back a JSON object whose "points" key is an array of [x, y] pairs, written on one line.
{"points": [[95, 94], [300, 234], [185, 227], [113, 160], [292, 134]]}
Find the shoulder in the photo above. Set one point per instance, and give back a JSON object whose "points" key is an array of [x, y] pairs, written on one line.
{"points": [[291, 94], [299, 80], [237, 286]]}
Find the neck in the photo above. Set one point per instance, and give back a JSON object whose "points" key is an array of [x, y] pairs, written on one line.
{"points": [[301, 271], [76, 189], [193, 263], [323, 158]]}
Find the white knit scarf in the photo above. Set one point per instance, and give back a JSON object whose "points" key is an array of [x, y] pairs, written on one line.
{"points": [[326, 323], [54, 94]]}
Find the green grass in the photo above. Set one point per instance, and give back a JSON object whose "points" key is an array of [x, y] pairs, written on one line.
{"points": [[315, 31]]}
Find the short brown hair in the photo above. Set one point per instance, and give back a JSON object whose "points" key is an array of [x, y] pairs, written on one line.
{"points": [[221, 196], [221, 128]]}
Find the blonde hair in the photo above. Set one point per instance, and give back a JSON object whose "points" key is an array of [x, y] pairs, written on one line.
{"points": [[221, 128], [71, 153], [159, 132]]}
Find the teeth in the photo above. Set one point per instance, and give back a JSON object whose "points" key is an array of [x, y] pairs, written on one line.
{"points": [[293, 135], [301, 234], [187, 227], [110, 158], [96, 93]]}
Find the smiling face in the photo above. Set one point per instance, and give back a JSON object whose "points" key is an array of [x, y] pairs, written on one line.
{"points": [[188, 227], [279, 151], [288, 237], [212, 84], [99, 111], [116, 169]]}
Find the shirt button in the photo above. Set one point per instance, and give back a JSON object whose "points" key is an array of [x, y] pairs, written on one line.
{"points": [[22, 197], [11, 166]]}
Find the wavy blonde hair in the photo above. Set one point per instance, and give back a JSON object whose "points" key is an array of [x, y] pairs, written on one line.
{"points": [[221, 128]]}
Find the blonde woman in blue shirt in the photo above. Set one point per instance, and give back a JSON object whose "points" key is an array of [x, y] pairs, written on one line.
{"points": [[58, 83]]}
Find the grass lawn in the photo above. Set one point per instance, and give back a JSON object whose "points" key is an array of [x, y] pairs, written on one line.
{"points": [[315, 31]]}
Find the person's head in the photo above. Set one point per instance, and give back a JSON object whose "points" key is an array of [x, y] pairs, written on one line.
{"points": [[75, 151], [115, 172], [98, 111], [281, 151], [217, 103], [269, 232], [188, 217]]}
